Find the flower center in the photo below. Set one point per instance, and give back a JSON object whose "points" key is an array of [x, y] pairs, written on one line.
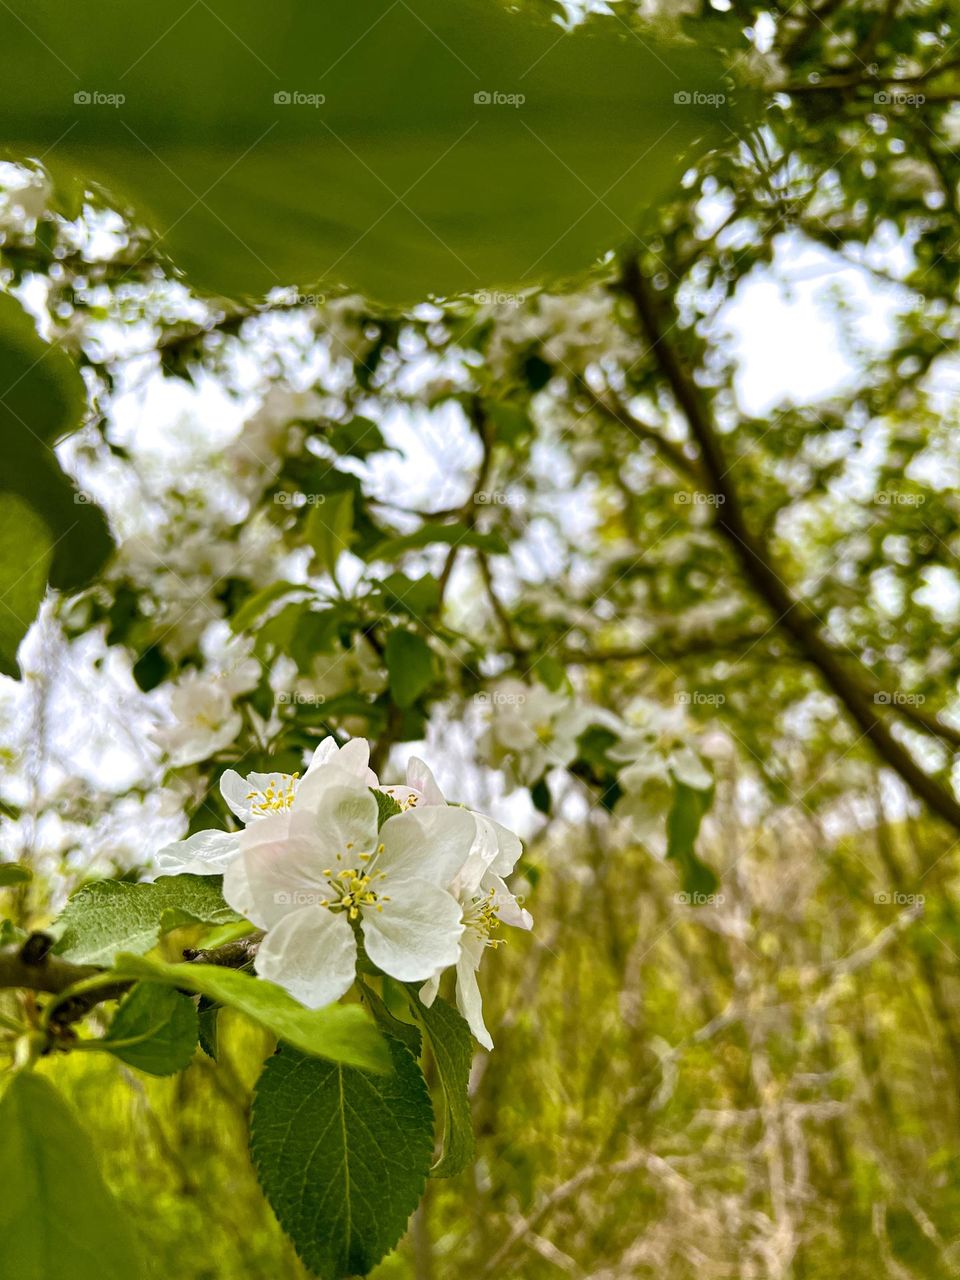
{"points": [[352, 889], [409, 801], [277, 796], [482, 918]]}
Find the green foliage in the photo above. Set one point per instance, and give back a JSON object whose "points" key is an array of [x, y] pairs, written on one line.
{"points": [[410, 666], [429, 533], [155, 1029], [452, 1047], [396, 183], [25, 553], [109, 917], [45, 524], [14, 873], [342, 1156], [329, 529], [342, 1033], [56, 1216], [387, 807], [683, 826]]}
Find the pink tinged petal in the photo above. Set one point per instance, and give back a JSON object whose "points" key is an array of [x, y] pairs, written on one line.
{"points": [[430, 844], [271, 880], [416, 934], [207, 853], [311, 953], [420, 778], [468, 992]]}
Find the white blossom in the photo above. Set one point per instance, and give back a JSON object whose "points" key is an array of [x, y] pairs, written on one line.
{"points": [[204, 720], [319, 874], [532, 729], [257, 796]]}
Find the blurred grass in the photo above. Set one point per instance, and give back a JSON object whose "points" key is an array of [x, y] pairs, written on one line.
{"points": [[768, 1088]]}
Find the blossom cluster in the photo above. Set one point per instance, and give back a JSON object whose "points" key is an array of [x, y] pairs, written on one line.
{"points": [[531, 730], [314, 867]]}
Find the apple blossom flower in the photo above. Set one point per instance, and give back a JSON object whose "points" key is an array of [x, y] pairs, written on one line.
{"points": [[204, 720], [257, 796], [533, 729], [478, 885], [485, 907], [319, 875]]}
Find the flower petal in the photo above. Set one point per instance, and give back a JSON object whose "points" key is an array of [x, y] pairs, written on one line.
{"points": [[506, 906], [483, 852], [272, 879], [324, 753], [207, 853], [343, 823], [430, 844], [428, 992], [311, 953], [421, 779], [353, 758], [468, 991], [247, 797], [416, 934]]}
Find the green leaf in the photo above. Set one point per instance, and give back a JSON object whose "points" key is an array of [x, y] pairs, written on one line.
{"points": [[111, 916], [256, 605], [57, 1217], [45, 524], [683, 827], [342, 1156], [341, 1032], [155, 1029], [208, 1026], [14, 873], [25, 553], [453, 1053], [416, 596], [406, 1032], [387, 807], [410, 666], [329, 528], [447, 534], [399, 184], [357, 438]]}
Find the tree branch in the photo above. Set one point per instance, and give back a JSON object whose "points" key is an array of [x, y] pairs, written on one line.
{"points": [[27, 968], [790, 613]]}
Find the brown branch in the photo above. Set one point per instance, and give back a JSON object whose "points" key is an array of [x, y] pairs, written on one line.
{"points": [[23, 968], [790, 612], [670, 453], [468, 512]]}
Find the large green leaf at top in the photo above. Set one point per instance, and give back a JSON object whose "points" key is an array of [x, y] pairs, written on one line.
{"points": [[56, 1216], [45, 525], [420, 171]]}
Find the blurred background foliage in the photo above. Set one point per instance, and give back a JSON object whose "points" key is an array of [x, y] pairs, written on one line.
{"points": [[645, 491], [765, 1088]]}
